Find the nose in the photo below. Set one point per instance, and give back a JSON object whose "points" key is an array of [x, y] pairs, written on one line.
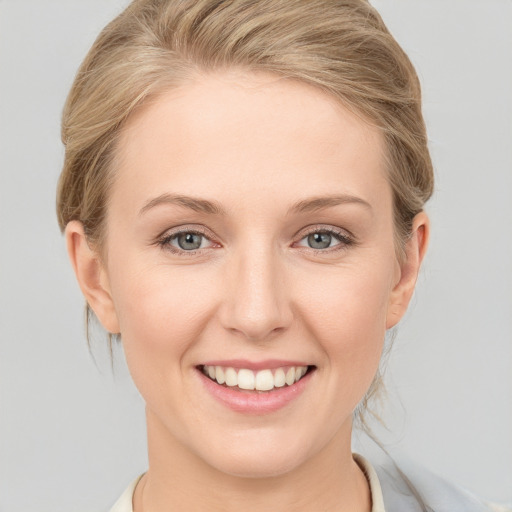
{"points": [[256, 304]]}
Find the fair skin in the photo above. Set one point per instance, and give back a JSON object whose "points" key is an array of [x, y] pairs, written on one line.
{"points": [[294, 264]]}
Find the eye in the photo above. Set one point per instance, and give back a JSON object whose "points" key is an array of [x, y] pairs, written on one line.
{"points": [[188, 241], [185, 241], [322, 239]]}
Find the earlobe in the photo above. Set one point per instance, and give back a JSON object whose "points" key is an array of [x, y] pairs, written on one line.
{"points": [[415, 250], [91, 275]]}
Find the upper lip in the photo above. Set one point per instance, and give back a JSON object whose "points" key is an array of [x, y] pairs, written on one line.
{"points": [[267, 364]]}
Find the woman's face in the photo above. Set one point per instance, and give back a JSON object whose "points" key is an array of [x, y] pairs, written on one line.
{"points": [[250, 235]]}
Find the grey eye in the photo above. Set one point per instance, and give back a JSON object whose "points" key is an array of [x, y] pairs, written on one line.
{"points": [[320, 240], [189, 241]]}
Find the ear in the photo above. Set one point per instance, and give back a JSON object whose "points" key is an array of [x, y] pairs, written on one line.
{"points": [[415, 250], [91, 275]]}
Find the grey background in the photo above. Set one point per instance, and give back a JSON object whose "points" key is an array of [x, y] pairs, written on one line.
{"points": [[72, 433]]}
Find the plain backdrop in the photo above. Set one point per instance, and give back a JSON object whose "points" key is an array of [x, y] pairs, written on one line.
{"points": [[72, 432]]}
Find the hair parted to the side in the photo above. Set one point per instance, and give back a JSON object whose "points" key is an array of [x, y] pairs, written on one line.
{"points": [[340, 46]]}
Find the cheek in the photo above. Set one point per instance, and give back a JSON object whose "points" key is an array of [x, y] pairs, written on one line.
{"points": [[160, 309], [162, 315], [350, 301], [346, 312]]}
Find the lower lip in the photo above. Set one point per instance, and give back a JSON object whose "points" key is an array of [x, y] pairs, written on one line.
{"points": [[253, 402]]}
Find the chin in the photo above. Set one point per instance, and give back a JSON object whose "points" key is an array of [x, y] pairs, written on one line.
{"points": [[258, 467], [257, 461]]}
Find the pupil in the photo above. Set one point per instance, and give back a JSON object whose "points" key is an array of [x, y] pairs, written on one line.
{"points": [[189, 241], [319, 240]]}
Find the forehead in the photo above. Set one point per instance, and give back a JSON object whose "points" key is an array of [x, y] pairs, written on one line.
{"points": [[237, 136]]}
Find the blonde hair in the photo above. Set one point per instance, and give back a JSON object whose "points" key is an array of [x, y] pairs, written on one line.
{"points": [[340, 46]]}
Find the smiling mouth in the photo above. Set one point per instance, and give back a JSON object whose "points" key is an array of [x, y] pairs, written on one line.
{"points": [[243, 379]]}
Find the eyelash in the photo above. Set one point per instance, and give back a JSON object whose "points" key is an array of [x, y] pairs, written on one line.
{"points": [[165, 241], [345, 240]]}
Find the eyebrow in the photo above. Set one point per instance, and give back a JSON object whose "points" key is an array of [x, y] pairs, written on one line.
{"points": [[212, 207], [319, 203], [193, 203]]}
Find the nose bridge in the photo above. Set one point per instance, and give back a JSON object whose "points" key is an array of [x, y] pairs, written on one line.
{"points": [[257, 304]]}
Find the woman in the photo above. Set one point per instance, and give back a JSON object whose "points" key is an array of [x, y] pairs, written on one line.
{"points": [[242, 198]]}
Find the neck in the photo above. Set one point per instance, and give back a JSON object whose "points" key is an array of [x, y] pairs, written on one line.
{"points": [[178, 479]]}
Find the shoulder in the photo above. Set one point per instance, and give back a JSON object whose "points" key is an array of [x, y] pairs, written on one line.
{"points": [[124, 503], [407, 486]]}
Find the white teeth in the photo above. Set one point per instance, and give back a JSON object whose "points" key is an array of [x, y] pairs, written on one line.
{"points": [[263, 380], [290, 376], [279, 378], [246, 379], [219, 375], [231, 377]]}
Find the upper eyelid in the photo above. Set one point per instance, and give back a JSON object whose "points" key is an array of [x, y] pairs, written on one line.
{"points": [[170, 232], [206, 232], [323, 228], [301, 234]]}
